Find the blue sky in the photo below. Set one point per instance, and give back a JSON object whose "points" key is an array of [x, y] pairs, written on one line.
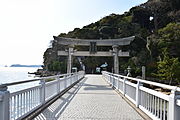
{"points": [[27, 26]]}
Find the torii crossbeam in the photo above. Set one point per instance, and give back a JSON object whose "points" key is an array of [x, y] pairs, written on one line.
{"points": [[115, 43]]}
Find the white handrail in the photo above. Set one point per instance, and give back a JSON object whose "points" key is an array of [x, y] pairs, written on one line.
{"points": [[150, 82], [19, 104], [32, 80], [157, 105]]}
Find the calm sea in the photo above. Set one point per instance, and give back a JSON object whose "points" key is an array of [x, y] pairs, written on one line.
{"points": [[14, 74]]}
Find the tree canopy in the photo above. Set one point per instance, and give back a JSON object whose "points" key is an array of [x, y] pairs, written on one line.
{"points": [[156, 27]]}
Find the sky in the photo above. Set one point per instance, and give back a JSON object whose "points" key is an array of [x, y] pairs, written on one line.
{"points": [[28, 26]]}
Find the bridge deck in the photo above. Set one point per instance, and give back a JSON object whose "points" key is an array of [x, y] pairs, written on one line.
{"points": [[92, 98]]}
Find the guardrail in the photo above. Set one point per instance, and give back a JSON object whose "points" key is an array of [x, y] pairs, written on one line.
{"points": [[17, 105], [157, 105]]}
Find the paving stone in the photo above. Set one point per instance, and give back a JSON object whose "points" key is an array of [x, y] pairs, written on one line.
{"points": [[91, 99]]}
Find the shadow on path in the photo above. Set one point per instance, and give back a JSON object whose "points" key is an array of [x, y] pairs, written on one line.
{"points": [[56, 109], [96, 87]]}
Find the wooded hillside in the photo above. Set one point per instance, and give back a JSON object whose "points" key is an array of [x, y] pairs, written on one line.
{"points": [[156, 25]]}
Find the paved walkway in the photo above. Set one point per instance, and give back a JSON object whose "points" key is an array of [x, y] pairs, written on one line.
{"points": [[91, 99]]}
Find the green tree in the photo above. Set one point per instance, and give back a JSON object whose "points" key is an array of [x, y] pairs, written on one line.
{"points": [[55, 66], [158, 9], [169, 38], [169, 68]]}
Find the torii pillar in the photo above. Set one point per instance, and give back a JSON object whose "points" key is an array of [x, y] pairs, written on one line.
{"points": [[116, 58], [115, 43], [69, 63]]}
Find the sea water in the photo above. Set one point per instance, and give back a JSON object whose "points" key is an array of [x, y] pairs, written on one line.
{"points": [[15, 74]]}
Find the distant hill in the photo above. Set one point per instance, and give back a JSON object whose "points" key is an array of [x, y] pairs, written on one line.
{"points": [[19, 65]]}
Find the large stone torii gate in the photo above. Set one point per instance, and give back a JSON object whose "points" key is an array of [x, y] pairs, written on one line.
{"points": [[93, 43]]}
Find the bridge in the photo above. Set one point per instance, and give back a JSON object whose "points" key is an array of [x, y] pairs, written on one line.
{"points": [[79, 96]]}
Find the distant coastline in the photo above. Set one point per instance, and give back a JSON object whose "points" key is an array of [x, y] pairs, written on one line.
{"points": [[19, 65]]}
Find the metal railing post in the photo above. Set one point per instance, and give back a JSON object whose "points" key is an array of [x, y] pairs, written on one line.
{"points": [[124, 86], [118, 83], [71, 77], [58, 84], [109, 78], [65, 81], [77, 76], [4, 103], [137, 94], [42, 91], [74, 78], [174, 109], [113, 82]]}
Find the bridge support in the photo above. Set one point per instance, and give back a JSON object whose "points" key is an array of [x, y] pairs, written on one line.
{"points": [[116, 59]]}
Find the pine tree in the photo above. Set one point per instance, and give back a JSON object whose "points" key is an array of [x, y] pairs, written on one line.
{"points": [[169, 68]]}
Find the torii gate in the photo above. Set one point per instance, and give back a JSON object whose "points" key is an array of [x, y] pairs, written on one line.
{"points": [[93, 43]]}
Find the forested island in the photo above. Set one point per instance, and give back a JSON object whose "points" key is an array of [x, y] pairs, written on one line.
{"points": [[19, 65], [156, 27]]}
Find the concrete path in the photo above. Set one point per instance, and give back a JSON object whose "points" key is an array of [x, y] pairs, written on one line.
{"points": [[91, 99]]}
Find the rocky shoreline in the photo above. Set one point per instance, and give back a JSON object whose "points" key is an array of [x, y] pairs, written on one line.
{"points": [[44, 73]]}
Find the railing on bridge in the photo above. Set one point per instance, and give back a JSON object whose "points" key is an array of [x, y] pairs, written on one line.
{"points": [[19, 104], [157, 105]]}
